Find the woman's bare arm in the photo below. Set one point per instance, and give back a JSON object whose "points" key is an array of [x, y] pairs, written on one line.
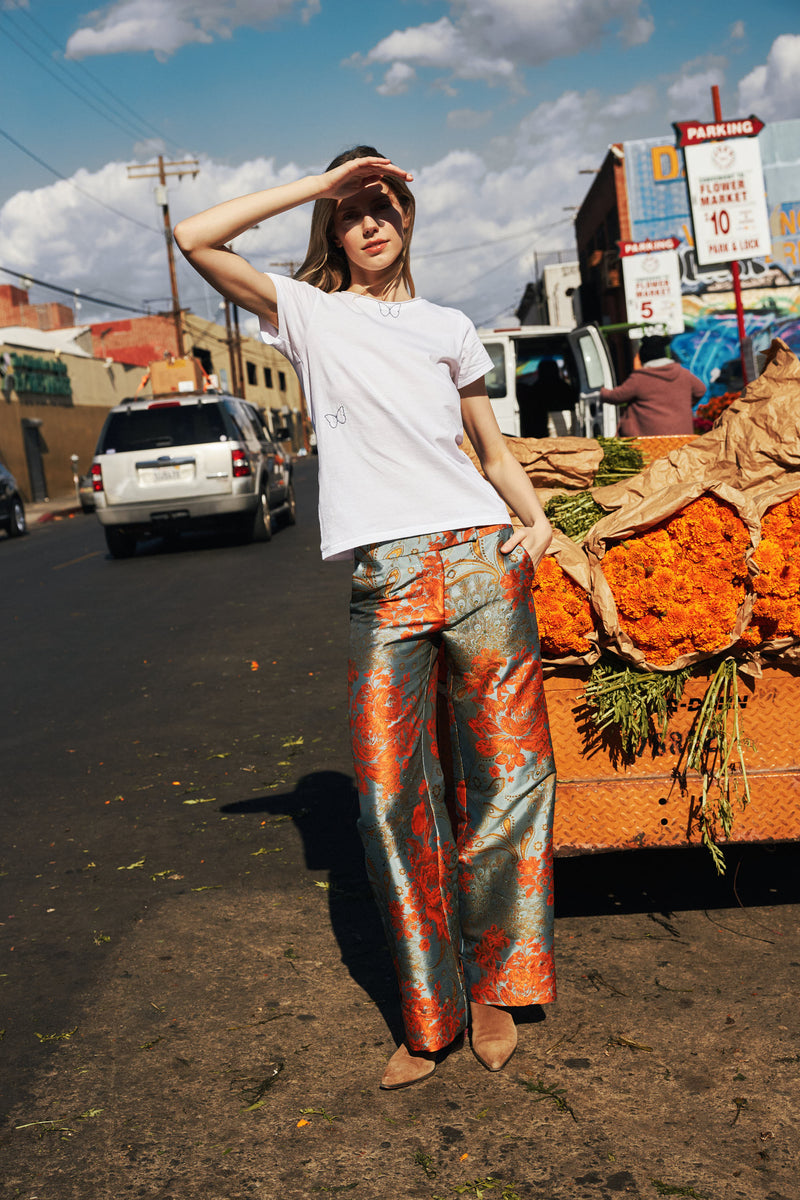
{"points": [[203, 238], [505, 474]]}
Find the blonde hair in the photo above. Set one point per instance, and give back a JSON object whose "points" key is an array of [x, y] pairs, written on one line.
{"points": [[325, 265]]}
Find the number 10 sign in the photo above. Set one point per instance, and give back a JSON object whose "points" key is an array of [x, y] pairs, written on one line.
{"points": [[726, 190]]}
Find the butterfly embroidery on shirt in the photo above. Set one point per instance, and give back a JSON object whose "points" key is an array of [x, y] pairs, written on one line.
{"points": [[337, 418], [388, 310]]}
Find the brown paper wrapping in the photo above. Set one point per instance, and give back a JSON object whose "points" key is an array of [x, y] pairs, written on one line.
{"points": [[560, 462], [755, 441], [637, 517], [574, 563]]}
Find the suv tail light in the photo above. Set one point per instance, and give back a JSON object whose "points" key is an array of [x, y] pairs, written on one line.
{"points": [[241, 464], [97, 477]]}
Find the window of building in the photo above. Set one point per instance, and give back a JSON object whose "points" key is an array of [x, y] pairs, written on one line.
{"points": [[282, 380], [268, 377], [251, 373], [205, 359]]}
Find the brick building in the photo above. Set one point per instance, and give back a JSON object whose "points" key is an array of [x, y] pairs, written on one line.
{"points": [[15, 310], [268, 379], [57, 382], [603, 220]]}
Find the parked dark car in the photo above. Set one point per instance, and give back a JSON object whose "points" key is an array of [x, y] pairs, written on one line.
{"points": [[12, 510]]}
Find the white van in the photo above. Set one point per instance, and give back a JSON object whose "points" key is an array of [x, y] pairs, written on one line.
{"points": [[583, 360]]}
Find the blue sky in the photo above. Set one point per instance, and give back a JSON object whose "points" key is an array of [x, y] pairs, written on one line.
{"points": [[496, 105]]}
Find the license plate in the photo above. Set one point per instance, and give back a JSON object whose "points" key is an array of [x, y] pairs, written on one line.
{"points": [[148, 475]]}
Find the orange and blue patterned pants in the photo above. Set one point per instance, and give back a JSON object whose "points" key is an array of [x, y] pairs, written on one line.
{"points": [[463, 874]]}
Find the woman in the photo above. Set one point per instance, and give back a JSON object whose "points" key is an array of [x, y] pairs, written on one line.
{"points": [[391, 381]]}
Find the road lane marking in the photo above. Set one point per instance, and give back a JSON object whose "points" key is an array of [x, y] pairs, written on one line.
{"points": [[72, 561]]}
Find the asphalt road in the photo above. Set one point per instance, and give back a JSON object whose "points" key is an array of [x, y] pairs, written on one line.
{"points": [[131, 688], [196, 998]]}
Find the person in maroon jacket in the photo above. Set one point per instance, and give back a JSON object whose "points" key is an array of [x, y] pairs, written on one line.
{"points": [[658, 396]]}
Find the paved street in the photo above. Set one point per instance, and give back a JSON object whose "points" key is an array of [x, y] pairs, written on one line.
{"points": [[196, 999]]}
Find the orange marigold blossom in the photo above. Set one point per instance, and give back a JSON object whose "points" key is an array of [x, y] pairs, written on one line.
{"points": [[776, 612], [563, 613], [706, 414], [678, 585]]}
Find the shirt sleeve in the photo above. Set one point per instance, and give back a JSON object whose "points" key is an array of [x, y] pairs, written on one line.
{"points": [[623, 394], [296, 303], [473, 361]]}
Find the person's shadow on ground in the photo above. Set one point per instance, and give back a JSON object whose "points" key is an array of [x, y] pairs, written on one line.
{"points": [[324, 809]]}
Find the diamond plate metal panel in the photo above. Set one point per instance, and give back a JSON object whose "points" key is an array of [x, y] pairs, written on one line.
{"points": [[604, 803], [652, 448]]}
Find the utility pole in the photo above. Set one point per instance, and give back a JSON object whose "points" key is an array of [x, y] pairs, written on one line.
{"points": [[226, 305], [189, 166], [237, 342]]}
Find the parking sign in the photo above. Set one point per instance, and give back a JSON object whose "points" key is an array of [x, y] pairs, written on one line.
{"points": [[652, 281], [726, 190]]}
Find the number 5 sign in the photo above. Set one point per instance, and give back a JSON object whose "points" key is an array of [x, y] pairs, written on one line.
{"points": [[726, 190], [652, 281]]}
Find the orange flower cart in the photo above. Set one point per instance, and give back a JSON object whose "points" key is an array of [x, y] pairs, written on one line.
{"points": [[683, 588]]}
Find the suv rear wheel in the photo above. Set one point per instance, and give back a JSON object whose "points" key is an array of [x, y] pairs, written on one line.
{"points": [[121, 543], [255, 526], [291, 506], [16, 524], [262, 522]]}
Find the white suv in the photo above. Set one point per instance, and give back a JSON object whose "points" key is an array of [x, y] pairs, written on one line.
{"points": [[171, 463]]}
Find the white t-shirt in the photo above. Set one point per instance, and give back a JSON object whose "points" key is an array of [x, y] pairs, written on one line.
{"points": [[382, 384]]}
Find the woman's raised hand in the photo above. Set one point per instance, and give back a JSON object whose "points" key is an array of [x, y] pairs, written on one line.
{"points": [[351, 176]]}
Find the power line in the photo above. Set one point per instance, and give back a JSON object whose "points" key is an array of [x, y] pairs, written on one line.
{"points": [[72, 183], [76, 295], [511, 258], [509, 237], [121, 104], [104, 113]]}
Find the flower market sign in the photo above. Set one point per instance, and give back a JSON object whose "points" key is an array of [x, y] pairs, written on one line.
{"points": [[652, 280], [726, 189]]}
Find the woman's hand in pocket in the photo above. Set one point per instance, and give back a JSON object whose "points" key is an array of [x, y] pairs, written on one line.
{"points": [[534, 539]]}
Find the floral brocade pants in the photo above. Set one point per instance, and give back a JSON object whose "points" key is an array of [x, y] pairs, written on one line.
{"points": [[462, 871]]}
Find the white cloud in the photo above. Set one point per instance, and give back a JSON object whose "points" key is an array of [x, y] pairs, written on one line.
{"points": [[638, 30], [491, 39], [163, 26], [397, 79], [690, 95], [480, 217], [737, 31], [58, 234], [639, 100], [467, 118], [149, 148], [443, 46], [772, 90]]}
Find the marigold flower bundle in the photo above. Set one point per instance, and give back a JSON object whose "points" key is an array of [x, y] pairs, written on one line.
{"points": [[563, 612], [678, 585], [706, 414], [776, 612]]}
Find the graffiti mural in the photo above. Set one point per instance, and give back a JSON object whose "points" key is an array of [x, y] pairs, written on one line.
{"points": [[658, 201]]}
